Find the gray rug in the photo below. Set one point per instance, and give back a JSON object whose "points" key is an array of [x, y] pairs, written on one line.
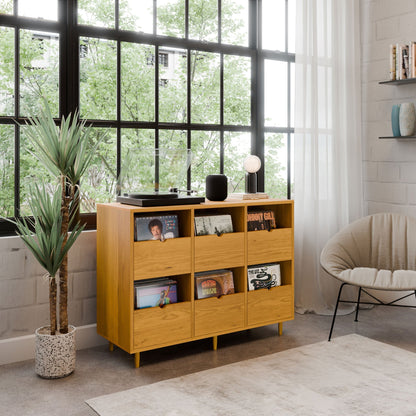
{"points": [[348, 376]]}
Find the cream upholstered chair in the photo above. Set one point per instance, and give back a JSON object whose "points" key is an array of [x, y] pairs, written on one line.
{"points": [[374, 252]]}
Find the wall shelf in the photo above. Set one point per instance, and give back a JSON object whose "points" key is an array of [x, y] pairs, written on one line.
{"points": [[399, 81], [397, 137]]}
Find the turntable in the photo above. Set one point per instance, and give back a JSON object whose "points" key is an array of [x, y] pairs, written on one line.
{"points": [[155, 199]]}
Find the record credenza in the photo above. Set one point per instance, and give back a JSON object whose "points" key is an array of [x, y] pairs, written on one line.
{"points": [[121, 261]]}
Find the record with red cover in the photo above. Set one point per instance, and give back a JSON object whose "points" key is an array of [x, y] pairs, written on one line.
{"points": [[214, 283]]}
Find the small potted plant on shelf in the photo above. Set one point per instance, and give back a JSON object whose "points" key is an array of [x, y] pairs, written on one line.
{"points": [[66, 152]]}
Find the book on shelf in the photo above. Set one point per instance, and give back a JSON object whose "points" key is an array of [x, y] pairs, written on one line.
{"points": [[261, 220], [248, 196], [402, 61], [263, 276], [213, 224], [154, 292], [214, 283], [159, 227]]}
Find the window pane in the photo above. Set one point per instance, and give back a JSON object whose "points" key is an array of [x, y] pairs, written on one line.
{"points": [[137, 161], [172, 82], [137, 82], [206, 158], [274, 24], [275, 93], [275, 165], [237, 146], [39, 71], [171, 18], [173, 159], [136, 15], [7, 170], [292, 94], [31, 171], [96, 13], [98, 78], [99, 184], [292, 25], [6, 6], [234, 21], [7, 72], [203, 20], [237, 90], [42, 9], [205, 86]]}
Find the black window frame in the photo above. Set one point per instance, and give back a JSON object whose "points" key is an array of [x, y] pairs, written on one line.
{"points": [[70, 34]]}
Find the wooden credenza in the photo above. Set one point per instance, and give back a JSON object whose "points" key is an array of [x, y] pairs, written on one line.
{"points": [[121, 261]]}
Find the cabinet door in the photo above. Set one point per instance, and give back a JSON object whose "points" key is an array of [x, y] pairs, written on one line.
{"points": [[162, 326], [267, 306], [216, 315], [219, 252], [269, 246], [162, 258]]}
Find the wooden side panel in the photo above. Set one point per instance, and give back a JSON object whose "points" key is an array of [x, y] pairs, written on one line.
{"points": [[269, 246], [114, 276], [162, 326], [270, 305], [218, 252], [162, 258], [214, 315]]}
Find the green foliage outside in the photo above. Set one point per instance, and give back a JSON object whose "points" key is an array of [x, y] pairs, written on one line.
{"points": [[39, 75]]}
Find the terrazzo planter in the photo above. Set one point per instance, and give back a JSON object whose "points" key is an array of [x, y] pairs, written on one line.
{"points": [[407, 118], [54, 354]]}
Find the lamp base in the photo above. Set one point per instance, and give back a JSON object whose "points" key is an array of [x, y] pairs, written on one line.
{"points": [[251, 183]]}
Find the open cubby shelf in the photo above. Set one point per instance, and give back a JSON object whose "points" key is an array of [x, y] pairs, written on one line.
{"points": [[121, 261]]}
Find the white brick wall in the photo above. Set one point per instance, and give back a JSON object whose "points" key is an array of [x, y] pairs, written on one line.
{"points": [[389, 165], [24, 300]]}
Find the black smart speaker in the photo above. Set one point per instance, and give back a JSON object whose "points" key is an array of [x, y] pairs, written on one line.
{"points": [[216, 187]]}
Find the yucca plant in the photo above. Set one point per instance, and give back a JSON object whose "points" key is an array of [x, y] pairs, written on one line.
{"points": [[42, 234], [66, 151]]}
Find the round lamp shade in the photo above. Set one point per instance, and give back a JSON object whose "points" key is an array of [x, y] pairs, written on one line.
{"points": [[216, 187], [252, 163]]}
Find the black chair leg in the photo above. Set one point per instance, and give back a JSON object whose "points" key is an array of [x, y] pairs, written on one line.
{"points": [[335, 311], [358, 305]]}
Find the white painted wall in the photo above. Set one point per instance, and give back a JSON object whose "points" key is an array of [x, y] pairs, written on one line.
{"points": [[389, 165], [24, 291]]}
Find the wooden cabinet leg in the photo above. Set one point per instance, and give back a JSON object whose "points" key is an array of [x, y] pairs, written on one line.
{"points": [[214, 343], [110, 346], [280, 325], [137, 360]]}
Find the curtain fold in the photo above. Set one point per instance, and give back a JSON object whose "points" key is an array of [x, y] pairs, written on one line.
{"points": [[327, 142]]}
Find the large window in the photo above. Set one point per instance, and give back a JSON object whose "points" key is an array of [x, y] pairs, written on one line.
{"points": [[183, 89]]}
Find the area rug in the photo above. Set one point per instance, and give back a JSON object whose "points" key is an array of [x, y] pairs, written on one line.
{"points": [[351, 375]]}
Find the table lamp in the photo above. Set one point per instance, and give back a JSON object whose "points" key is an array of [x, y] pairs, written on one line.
{"points": [[251, 164]]}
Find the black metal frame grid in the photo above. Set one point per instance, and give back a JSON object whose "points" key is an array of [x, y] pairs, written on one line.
{"points": [[70, 33]]}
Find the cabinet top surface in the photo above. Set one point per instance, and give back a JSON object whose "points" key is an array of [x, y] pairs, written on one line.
{"points": [[207, 204]]}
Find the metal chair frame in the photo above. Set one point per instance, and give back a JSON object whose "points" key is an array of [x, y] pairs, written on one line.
{"points": [[358, 302]]}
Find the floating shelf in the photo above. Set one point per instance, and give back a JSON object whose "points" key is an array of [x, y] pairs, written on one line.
{"points": [[397, 137], [400, 81]]}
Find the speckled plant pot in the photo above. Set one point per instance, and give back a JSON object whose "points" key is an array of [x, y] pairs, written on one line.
{"points": [[407, 118], [54, 354]]}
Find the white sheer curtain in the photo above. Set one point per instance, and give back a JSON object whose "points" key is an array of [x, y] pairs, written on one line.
{"points": [[327, 140]]}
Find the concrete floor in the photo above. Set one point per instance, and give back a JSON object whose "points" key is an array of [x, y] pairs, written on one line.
{"points": [[99, 371]]}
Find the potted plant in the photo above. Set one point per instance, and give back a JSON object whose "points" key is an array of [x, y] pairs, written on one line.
{"points": [[66, 152]]}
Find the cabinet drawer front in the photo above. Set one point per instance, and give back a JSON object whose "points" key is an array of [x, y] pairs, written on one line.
{"points": [[162, 326], [214, 315], [269, 246], [157, 258], [270, 305], [213, 252]]}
